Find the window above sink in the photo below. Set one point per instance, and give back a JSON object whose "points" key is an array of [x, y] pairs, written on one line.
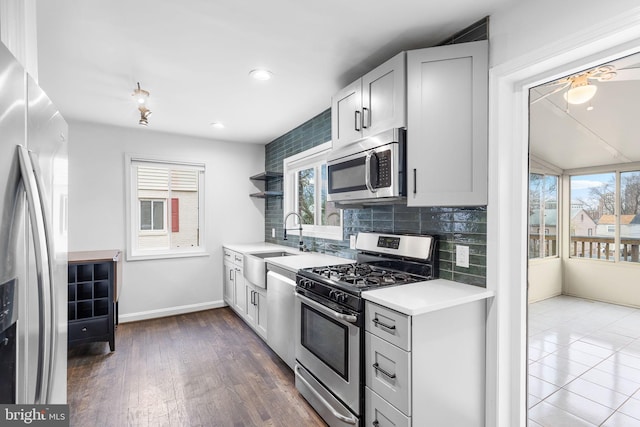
{"points": [[305, 192]]}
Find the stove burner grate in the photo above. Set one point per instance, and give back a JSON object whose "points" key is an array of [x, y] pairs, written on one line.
{"points": [[363, 275]]}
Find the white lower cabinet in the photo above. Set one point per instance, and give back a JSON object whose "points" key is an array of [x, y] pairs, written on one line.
{"points": [[380, 413], [256, 313], [233, 277], [426, 370], [388, 372], [229, 282], [240, 300], [246, 299]]}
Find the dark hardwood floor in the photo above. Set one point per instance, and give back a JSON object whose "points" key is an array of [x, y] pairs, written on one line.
{"points": [[199, 369]]}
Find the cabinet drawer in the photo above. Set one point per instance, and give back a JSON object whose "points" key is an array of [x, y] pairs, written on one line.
{"points": [[380, 413], [388, 372], [388, 324], [233, 256], [88, 329]]}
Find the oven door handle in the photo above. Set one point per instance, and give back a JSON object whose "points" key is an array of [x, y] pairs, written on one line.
{"points": [[348, 420], [346, 317]]}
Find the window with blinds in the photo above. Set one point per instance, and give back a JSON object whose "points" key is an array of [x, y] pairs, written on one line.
{"points": [[165, 208]]}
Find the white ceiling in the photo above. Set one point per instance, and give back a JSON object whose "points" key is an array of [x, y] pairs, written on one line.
{"points": [[576, 138], [194, 57]]}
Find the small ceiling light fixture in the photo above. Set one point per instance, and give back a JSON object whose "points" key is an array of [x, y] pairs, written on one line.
{"points": [[217, 125], [141, 96], [261, 74], [580, 91]]}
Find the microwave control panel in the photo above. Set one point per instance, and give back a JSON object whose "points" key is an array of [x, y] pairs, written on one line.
{"points": [[384, 169]]}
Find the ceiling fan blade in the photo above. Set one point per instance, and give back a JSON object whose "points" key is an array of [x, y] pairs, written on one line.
{"points": [[627, 74]]}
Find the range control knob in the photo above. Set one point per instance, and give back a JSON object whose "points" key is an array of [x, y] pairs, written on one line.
{"points": [[306, 284], [337, 296]]}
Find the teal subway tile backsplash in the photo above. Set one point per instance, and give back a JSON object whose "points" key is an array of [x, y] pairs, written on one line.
{"points": [[452, 225]]}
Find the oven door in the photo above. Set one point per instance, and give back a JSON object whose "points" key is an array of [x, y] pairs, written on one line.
{"points": [[371, 174], [328, 346]]}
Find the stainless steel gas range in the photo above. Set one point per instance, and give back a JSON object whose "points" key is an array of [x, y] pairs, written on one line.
{"points": [[329, 318]]}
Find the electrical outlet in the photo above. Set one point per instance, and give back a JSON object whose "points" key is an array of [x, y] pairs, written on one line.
{"points": [[273, 232], [352, 241], [462, 256]]}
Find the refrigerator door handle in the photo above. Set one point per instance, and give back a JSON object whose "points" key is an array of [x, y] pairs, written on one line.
{"points": [[43, 275]]}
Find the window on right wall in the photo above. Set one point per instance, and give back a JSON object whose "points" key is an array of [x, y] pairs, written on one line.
{"points": [[305, 192]]}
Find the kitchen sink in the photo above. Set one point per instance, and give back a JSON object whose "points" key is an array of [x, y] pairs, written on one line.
{"points": [[272, 254], [255, 269]]}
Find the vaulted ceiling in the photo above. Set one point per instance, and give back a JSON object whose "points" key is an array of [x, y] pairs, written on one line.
{"points": [[574, 136]]}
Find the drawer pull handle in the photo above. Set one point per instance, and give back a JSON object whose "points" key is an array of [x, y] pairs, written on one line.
{"points": [[382, 371], [84, 329], [379, 323]]}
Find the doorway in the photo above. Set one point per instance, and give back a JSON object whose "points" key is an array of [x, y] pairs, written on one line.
{"points": [[583, 358]]}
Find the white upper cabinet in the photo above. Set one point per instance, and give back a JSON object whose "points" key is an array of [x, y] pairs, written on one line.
{"points": [[447, 125], [372, 104]]}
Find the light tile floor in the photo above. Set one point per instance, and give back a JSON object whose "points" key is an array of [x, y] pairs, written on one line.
{"points": [[584, 364]]}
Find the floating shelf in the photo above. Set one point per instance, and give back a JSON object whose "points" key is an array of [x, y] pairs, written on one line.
{"points": [[265, 176], [265, 194]]}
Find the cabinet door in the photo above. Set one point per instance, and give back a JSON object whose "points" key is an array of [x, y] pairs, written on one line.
{"points": [[228, 282], [447, 125], [346, 115], [250, 313], [260, 300], [240, 302], [384, 96]]}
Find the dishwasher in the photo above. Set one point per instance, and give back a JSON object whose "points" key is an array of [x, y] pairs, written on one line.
{"points": [[281, 285]]}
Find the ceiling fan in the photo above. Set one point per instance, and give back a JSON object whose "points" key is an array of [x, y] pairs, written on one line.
{"points": [[580, 90]]}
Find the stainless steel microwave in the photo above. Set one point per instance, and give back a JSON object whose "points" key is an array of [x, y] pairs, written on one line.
{"points": [[372, 170]]}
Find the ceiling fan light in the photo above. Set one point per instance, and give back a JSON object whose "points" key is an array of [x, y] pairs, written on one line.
{"points": [[580, 94]]}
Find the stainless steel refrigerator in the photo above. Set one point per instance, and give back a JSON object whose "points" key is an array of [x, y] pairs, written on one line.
{"points": [[33, 241]]}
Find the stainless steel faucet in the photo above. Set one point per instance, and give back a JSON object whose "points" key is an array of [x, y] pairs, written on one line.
{"points": [[284, 227]]}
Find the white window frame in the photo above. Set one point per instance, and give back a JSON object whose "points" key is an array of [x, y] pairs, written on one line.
{"points": [[540, 167], [132, 206], [617, 170], [312, 157]]}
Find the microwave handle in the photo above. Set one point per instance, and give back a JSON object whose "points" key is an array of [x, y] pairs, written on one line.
{"points": [[367, 171]]}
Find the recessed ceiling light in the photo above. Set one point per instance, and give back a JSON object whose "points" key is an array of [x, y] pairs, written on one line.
{"points": [[261, 74], [217, 125]]}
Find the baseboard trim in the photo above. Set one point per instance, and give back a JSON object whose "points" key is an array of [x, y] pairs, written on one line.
{"points": [[170, 311]]}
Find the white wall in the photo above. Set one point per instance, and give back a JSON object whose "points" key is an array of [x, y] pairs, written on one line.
{"points": [[531, 42], [539, 25], [545, 279], [616, 283], [155, 288]]}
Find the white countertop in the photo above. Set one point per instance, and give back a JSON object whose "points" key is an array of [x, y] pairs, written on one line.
{"points": [[423, 297]]}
